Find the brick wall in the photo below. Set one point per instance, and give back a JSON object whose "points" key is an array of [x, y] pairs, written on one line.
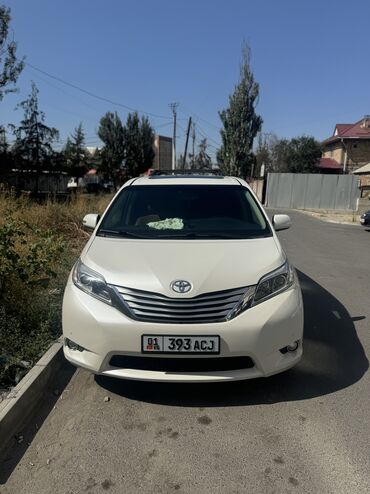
{"points": [[358, 153], [334, 151]]}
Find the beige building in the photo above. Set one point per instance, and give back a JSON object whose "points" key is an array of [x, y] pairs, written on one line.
{"points": [[364, 175], [163, 153], [348, 148]]}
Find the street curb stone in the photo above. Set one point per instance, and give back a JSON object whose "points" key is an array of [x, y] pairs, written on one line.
{"points": [[22, 401]]}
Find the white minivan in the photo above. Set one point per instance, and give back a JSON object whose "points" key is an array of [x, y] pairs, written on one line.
{"points": [[183, 279]]}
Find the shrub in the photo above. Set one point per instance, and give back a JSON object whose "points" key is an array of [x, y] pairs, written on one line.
{"points": [[38, 246]]}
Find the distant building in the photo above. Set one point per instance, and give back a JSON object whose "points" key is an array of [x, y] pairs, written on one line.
{"points": [[92, 150], [364, 175], [330, 165], [348, 148], [163, 153]]}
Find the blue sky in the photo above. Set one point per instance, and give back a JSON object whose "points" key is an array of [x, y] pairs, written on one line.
{"points": [[311, 58]]}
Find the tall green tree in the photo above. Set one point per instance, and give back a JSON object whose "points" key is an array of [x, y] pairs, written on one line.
{"points": [[240, 123], [147, 143], [139, 139], [111, 133], [302, 154], [10, 66], [32, 148], [202, 160], [133, 150], [75, 152], [297, 155]]}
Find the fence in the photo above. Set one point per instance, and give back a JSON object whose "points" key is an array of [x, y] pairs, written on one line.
{"points": [[46, 182], [312, 191]]}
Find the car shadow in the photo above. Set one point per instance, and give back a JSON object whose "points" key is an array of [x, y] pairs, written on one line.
{"points": [[333, 359]]}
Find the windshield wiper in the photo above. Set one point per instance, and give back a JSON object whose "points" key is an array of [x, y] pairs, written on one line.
{"points": [[119, 233], [186, 235]]}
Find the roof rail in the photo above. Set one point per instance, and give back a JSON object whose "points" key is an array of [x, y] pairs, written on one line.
{"points": [[160, 176], [196, 172]]}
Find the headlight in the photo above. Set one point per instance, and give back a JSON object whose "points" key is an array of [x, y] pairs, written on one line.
{"points": [[91, 282], [275, 282], [270, 285]]}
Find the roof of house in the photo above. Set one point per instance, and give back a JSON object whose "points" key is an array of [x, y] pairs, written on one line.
{"points": [[350, 131], [363, 169], [329, 163], [342, 127]]}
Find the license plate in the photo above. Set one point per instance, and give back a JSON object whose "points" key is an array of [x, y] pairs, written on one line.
{"points": [[180, 344], [362, 220]]}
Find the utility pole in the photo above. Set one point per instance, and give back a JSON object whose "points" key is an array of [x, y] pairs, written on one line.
{"points": [[173, 107], [37, 156], [193, 138], [186, 144]]}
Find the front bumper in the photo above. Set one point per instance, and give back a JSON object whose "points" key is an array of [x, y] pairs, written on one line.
{"points": [[259, 333]]}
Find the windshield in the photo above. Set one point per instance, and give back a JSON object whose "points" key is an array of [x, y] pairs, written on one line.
{"points": [[185, 211]]}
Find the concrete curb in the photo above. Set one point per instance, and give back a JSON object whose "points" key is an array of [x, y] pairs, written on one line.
{"points": [[330, 219], [22, 401]]}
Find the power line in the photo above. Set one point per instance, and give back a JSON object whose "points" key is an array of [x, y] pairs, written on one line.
{"points": [[101, 98], [163, 125], [93, 95], [84, 117], [49, 83], [183, 130], [202, 119], [202, 133], [173, 106]]}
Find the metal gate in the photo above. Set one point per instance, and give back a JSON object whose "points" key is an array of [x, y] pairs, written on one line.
{"points": [[312, 191]]}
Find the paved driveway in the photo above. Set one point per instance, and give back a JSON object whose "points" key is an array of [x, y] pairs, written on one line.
{"points": [[307, 430]]}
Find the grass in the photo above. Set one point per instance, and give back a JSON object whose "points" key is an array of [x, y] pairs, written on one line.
{"points": [[39, 243]]}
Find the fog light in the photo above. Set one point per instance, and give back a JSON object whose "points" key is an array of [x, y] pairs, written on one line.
{"points": [[293, 346], [73, 346], [290, 348]]}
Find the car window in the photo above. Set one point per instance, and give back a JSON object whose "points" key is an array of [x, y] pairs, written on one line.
{"points": [[190, 211]]}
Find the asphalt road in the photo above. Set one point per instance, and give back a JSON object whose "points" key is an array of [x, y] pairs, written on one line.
{"points": [[307, 430]]}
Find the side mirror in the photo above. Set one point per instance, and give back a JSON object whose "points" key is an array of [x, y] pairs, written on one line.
{"points": [[281, 222], [91, 220]]}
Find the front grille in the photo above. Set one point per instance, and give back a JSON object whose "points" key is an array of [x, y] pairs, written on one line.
{"points": [[205, 308], [206, 364]]}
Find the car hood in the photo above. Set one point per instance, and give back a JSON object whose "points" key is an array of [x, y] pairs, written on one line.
{"points": [[208, 264]]}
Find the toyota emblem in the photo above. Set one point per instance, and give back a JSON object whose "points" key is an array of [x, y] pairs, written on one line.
{"points": [[181, 286]]}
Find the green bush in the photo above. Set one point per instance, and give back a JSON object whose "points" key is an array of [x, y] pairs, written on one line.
{"points": [[30, 295], [39, 243], [20, 346], [31, 261]]}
